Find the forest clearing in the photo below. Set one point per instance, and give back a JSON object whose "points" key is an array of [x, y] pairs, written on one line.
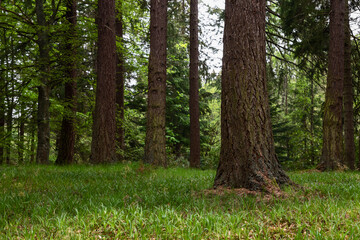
{"points": [[131, 201]]}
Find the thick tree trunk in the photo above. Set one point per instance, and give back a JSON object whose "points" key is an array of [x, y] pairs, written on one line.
{"points": [[194, 87], [120, 83], [155, 152], [67, 134], [43, 114], [349, 142], [247, 158], [331, 158], [103, 147]]}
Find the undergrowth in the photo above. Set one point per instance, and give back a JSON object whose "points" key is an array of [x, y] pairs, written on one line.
{"points": [[130, 201]]}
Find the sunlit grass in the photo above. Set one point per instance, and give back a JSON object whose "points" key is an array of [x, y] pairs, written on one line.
{"points": [[129, 201]]}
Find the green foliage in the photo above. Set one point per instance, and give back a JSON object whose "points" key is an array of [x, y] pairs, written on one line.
{"points": [[136, 201]]}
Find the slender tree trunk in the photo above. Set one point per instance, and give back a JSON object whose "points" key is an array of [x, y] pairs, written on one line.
{"points": [[9, 127], [67, 134], [2, 105], [194, 86], [21, 134], [312, 120], [120, 83], [331, 158], [155, 152], [43, 114], [349, 143], [247, 157], [103, 147]]}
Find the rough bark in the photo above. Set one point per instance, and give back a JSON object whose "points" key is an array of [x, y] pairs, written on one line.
{"points": [[104, 127], [349, 142], [43, 115], [120, 81], [155, 152], [67, 133], [331, 158], [247, 158], [194, 87]]}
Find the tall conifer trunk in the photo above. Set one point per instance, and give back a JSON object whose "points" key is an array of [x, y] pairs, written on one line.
{"points": [[349, 143], [120, 83], [104, 127], [332, 150], [247, 157], [67, 133], [43, 114], [155, 152], [194, 86]]}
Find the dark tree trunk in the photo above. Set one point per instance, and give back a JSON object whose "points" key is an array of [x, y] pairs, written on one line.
{"points": [[21, 144], [155, 152], [120, 81], [103, 147], [194, 87], [67, 134], [43, 114], [331, 158], [349, 143], [247, 158], [2, 105]]}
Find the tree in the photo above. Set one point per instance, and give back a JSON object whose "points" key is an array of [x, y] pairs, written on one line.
{"points": [[247, 157], [331, 157], [67, 134], [120, 83], [349, 144], [155, 152], [104, 126], [43, 114], [194, 87]]}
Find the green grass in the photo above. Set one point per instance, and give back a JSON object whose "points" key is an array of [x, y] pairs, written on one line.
{"points": [[130, 202]]}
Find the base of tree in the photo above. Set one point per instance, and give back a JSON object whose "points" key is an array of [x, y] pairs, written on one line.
{"points": [[336, 166], [255, 181]]}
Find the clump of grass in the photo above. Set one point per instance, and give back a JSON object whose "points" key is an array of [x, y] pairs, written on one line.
{"points": [[130, 201]]}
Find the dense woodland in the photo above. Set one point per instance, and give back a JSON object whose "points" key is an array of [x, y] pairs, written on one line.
{"points": [[117, 120], [110, 81]]}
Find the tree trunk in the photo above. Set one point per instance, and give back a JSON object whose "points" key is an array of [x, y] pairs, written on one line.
{"points": [[2, 105], [21, 144], [194, 87], [67, 134], [155, 152], [103, 147], [247, 157], [331, 158], [349, 143], [120, 83], [43, 114]]}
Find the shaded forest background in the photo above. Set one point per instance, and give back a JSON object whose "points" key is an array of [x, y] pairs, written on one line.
{"points": [[297, 49]]}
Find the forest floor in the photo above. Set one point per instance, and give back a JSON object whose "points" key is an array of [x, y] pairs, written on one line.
{"points": [[129, 201]]}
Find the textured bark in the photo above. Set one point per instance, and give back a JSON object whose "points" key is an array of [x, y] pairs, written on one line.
{"points": [[247, 158], [67, 133], [120, 81], [155, 152], [194, 87], [331, 158], [43, 115], [104, 127], [349, 142]]}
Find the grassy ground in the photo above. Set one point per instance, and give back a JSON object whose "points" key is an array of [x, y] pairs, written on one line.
{"points": [[131, 202]]}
